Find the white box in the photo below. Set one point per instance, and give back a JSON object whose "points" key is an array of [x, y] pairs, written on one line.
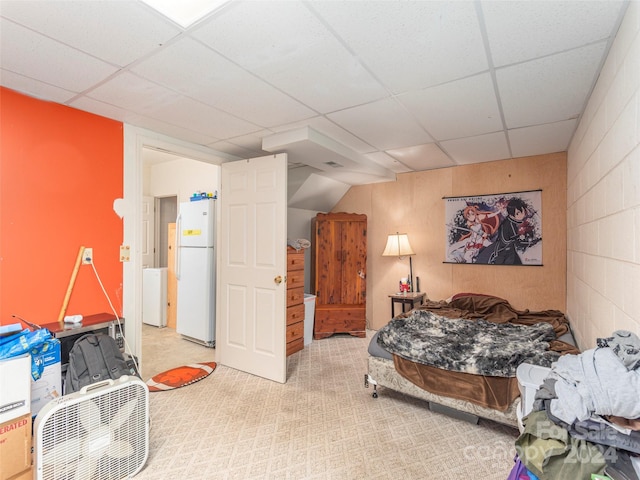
{"points": [[309, 317], [154, 296], [15, 391], [530, 378], [49, 385]]}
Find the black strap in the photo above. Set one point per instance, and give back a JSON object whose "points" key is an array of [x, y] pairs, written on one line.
{"points": [[110, 359], [88, 349]]}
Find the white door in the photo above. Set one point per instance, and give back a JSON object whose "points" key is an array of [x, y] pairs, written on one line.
{"points": [[148, 229], [251, 319]]}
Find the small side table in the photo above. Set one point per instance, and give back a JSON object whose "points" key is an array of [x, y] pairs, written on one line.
{"points": [[409, 298]]}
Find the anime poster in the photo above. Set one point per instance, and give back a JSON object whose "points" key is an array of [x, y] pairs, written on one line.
{"points": [[500, 229]]}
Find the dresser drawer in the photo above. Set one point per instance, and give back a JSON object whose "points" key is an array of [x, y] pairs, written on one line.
{"points": [[295, 296], [295, 259], [295, 346], [295, 279], [295, 331], [295, 314]]}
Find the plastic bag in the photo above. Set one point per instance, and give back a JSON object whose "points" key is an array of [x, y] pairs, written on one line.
{"points": [[22, 342], [13, 336]]}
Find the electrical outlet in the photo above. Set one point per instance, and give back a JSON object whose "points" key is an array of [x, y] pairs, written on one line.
{"points": [[87, 256], [125, 253]]}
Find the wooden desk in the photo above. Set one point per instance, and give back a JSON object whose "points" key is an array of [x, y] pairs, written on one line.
{"points": [[410, 298]]}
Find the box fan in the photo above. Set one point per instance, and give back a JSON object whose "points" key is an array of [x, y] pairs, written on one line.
{"points": [[100, 432]]}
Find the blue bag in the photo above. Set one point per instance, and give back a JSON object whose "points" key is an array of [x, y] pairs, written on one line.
{"points": [[22, 342]]}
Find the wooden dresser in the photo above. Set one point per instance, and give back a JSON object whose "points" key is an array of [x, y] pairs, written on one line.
{"points": [[295, 300], [338, 273]]}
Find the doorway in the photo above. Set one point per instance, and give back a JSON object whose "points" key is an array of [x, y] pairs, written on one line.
{"points": [[166, 213], [167, 173]]}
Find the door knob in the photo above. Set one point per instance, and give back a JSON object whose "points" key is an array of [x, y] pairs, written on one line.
{"points": [[278, 280]]}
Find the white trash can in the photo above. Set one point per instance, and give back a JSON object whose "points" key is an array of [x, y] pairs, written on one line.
{"points": [[309, 315]]}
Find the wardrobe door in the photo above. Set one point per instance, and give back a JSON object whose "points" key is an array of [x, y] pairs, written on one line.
{"points": [[338, 272]]}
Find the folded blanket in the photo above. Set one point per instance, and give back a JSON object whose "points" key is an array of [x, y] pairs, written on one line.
{"points": [[470, 346]]}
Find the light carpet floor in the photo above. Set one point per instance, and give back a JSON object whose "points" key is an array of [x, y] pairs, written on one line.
{"points": [[321, 424]]}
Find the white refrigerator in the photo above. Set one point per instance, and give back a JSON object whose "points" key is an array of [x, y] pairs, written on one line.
{"points": [[196, 271]]}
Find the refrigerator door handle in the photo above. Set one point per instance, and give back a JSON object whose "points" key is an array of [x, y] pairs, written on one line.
{"points": [[178, 245]]}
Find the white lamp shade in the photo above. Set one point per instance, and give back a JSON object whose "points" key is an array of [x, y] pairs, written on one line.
{"points": [[398, 246]]}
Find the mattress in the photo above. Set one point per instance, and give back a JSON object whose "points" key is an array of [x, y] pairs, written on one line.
{"points": [[459, 394]]}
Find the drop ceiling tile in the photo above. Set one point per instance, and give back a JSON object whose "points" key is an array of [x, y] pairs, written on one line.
{"points": [[131, 92], [388, 161], [462, 108], [520, 31], [176, 131], [146, 98], [132, 29], [34, 88], [410, 45], [422, 157], [483, 148], [202, 118], [197, 71], [549, 89], [285, 44], [32, 55], [153, 124], [88, 104], [541, 139], [387, 125]]}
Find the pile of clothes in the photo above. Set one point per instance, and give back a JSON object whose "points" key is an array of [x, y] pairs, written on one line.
{"points": [[586, 416]]}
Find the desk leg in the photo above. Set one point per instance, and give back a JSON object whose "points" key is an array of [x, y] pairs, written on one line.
{"points": [[393, 310]]}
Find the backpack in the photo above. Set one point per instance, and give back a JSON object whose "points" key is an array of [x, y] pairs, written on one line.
{"points": [[94, 357]]}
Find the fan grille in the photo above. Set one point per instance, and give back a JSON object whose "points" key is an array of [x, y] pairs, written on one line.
{"points": [[101, 434]]}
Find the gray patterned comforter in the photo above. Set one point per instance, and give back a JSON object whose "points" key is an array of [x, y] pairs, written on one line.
{"points": [[470, 346]]}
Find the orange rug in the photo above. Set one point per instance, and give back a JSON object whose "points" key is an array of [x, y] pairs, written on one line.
{"points": [[180, 377]]}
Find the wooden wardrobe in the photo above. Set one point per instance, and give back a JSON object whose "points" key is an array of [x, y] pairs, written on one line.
{"points": [[338, 273]]}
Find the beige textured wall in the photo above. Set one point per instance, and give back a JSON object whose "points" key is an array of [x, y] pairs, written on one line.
{"points": [[603, 220], [413, 204]]}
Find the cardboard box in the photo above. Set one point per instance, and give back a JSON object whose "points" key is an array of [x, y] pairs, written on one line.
{"points": [[15, 387], [49, 385], [15, 447]]}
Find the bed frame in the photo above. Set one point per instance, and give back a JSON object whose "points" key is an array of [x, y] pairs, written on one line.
{"points": [[382, 372]]}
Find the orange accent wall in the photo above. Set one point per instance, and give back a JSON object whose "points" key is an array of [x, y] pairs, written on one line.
{"points": [[60, 171]]}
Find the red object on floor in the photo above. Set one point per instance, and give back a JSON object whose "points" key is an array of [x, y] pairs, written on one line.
{"points": [[180, 376]]}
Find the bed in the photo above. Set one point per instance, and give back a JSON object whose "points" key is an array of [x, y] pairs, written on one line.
{"points": [[461, 355]]}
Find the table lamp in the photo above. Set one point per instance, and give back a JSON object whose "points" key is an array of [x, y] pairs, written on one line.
{"points": [[398, 246]]}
